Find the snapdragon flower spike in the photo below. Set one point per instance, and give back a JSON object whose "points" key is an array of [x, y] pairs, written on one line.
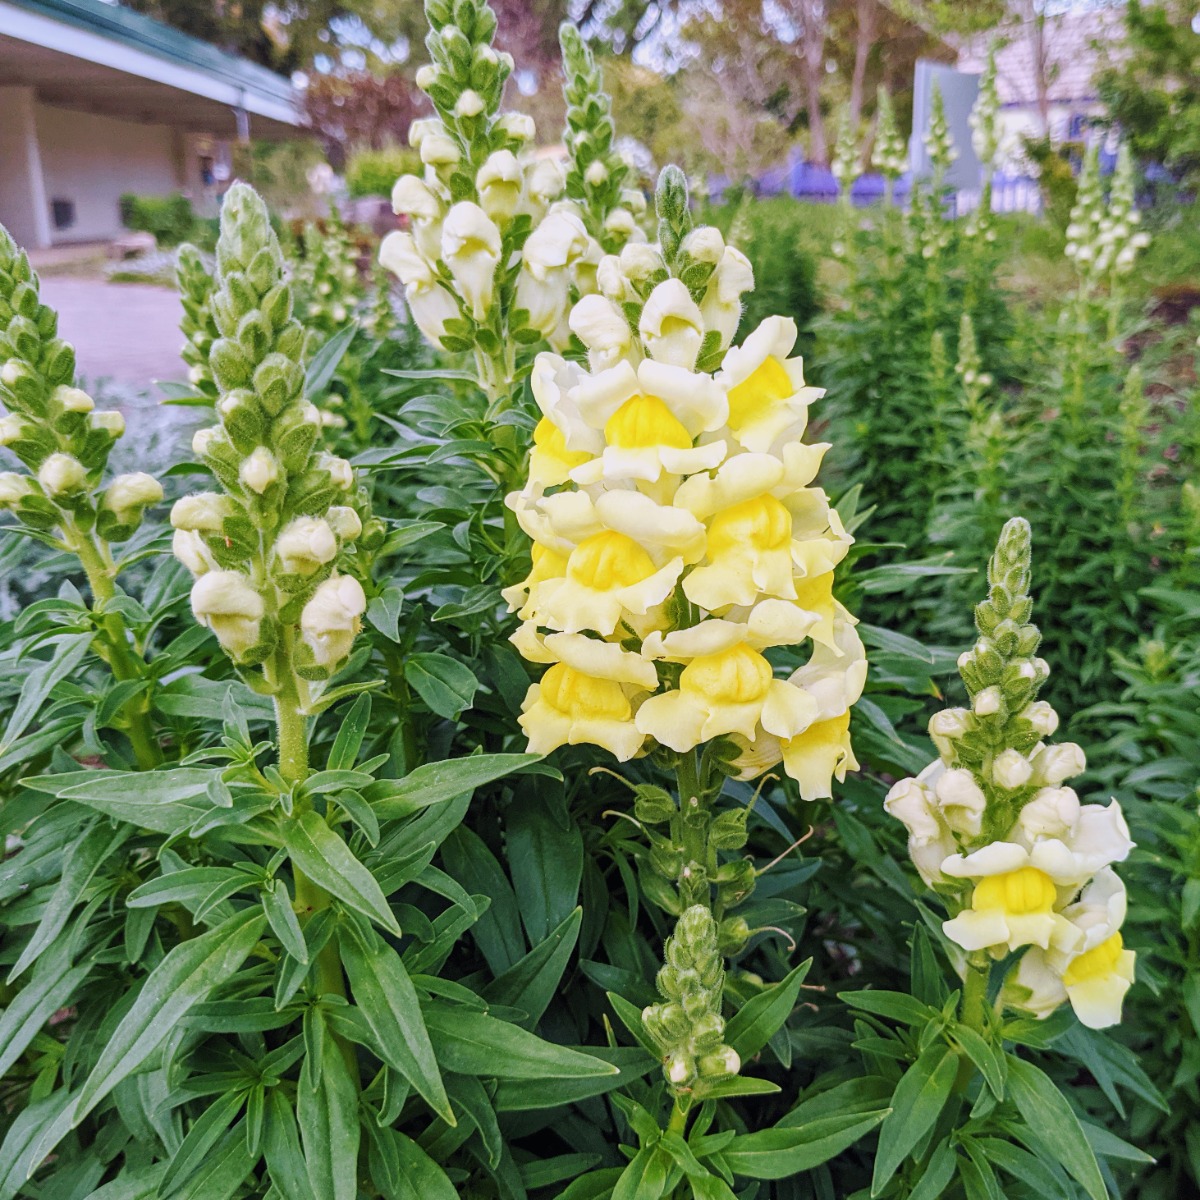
{"points": [[939, 142], [195, 282], [52, 427], [846, 166], [326, 284], [889, 156], [265, 550], [678, 536], [493, 256], [1021, 863], [596, 173]]}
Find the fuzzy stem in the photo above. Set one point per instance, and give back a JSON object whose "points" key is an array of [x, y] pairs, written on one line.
{"points": [[311, 898], [125, 664]]}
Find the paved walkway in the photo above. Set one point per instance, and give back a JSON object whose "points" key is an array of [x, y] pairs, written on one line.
{"points": [[128, 332]]}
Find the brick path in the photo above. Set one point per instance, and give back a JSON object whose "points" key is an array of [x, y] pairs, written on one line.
{"points": [[128, 332]]}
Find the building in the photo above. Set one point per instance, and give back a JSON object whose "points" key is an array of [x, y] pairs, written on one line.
{"points": [[1047, 67], [97, 101]]}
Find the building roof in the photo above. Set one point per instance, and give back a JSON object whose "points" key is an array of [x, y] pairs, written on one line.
{"points": [[81, 53], [1077, 42]]}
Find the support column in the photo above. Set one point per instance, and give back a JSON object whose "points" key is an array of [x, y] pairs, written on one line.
{"points": [[23, 207]]}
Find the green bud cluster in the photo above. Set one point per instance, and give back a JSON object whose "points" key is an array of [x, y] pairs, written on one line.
{"points": [[596, 173], [889, 155], [939, 142], [846, 166], [1003, 676], [688, 1028], [985, 117], [714, 274], [265, 549], [326, 281], [465, 81], [683, 868], [195, 282], [52, 426]]}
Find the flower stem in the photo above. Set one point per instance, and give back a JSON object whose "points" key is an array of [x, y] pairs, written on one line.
{"points": [[125, 663], [292, 730]]}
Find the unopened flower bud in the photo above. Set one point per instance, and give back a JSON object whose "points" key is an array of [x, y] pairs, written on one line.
{"points": [[1053, 764], [13, 427], [14, 487], [73, 399], [305, 545], [228, 604], [330, 619], [188, 546], [596, 174], [704, 244], [110, 422], [259, 470], [426, 77], [469, 104], [1011, 769], [62, 474], [987, 702], [128, 495], [345, 522], [1041, 715], [340, 471], [517, 126], [203, 511]]}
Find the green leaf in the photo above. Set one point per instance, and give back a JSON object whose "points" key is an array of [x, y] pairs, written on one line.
{"points": [[1022, 1165], [439, 781], [325, 859], [917, 1102], [53, 984], [942, 1165], [324, 364], [990, 1064], [444, 683], [646, 1177], [167, 802], [139, 1183], [327, 1110], [281, 915], [526, 1095], [1045, 1109], [185, 977], [69, 650], [388, 1001], [349, 740], [204, 1134], [782, 1152], [530, 983], [36, 1130], [756, 1022], [545, 860], [223, 1172], [403, 1171], [83, 860], [189, 887], [472, 1043], [281, 1148], [899, 1006]]}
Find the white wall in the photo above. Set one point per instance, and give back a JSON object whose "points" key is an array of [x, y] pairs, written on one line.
{"points": [[93, 160], [22, 198]]}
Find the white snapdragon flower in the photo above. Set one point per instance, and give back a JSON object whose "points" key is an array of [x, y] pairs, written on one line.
{"points": [[471, 250]]}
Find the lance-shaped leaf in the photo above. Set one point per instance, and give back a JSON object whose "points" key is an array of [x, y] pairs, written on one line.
{"points": [[51, 988], [757, 1021], [473, 1043], [435, 782], [327, 1108], [322, 855], [388, 1001], [167, 802], [184, 978]]}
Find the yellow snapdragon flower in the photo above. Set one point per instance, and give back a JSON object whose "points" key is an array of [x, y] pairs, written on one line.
{"points": [[677, 535]]}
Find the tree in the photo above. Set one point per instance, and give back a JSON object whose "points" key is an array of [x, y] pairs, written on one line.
{"points": [[1153, 95]]}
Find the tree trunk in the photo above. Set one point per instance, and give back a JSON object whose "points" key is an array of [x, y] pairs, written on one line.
{"points": [[866, 17]]}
